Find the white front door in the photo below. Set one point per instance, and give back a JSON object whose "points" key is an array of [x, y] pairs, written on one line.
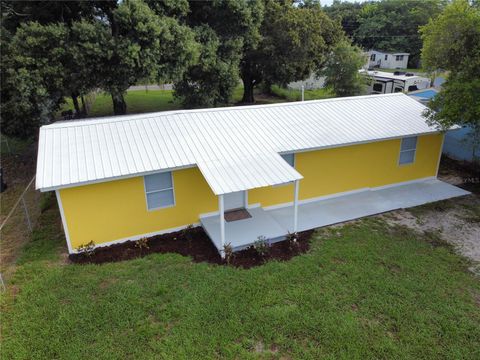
{"points": [[234, 200]]}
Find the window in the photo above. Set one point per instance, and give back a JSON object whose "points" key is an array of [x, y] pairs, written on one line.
{"points": [[407, 150], [159, 190], [412, 88], [372, 57], [378, 87], [289, 158], [397, 89], [386, 57], [399, 57]]}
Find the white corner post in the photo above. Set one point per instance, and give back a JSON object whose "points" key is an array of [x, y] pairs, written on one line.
{"points": [[221, 211], [295, 206], [303, 93]]}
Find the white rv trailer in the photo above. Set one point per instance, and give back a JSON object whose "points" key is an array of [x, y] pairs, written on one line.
{"points": [[384, 82]]}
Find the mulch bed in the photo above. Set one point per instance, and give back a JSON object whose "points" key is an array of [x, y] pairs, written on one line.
{"points": [[195, 243]]}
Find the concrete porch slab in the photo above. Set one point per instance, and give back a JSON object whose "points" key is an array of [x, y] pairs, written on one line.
{"points": [[368, 202], [275, 223], [242, 233]]}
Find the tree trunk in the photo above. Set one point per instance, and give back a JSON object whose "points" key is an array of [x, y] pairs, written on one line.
{"points": [[75, 104], [119, 104], [248, 85], [84, 106]]}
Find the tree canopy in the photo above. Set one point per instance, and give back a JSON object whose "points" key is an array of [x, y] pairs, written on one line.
{"points": [[341, 69], [52, 50], [389, 25], [452, 42], [294, 43]]}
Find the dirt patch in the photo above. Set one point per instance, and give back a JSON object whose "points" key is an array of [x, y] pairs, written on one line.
{"points": [[459, 173], [194, 243], [454, 221]]}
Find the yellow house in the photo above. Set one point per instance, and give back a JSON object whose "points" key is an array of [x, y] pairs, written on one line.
{"points": [[240, 172]]}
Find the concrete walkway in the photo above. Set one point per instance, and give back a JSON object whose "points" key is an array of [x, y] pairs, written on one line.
{"points": [[275, 223]]}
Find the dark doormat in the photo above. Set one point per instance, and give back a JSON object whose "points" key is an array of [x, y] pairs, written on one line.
{"points": [[238, 214]]}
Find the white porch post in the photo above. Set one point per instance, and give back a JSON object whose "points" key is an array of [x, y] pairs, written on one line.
{"points": [[221, 211], [295, 206]]}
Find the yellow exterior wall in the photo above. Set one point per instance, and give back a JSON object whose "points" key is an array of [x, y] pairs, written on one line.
{"points": [[116, 210], [348, 168]]}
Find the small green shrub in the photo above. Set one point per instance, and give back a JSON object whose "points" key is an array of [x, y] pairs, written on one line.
{"points": [[87, 249], [142, 243], [292, 239], [187, 233], [261, 246], [228, 251]]}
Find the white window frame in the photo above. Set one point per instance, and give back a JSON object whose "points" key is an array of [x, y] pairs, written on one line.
{"points": [[414, 151], [399, 57], [155, 191]]}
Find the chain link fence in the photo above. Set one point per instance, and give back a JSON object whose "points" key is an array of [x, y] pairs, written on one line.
{"points": [[17, 225]]}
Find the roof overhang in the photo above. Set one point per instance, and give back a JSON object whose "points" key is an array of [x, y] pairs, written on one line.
{"points": [[231, 174]]}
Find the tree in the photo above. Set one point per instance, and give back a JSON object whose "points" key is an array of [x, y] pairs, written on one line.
{"points": [[348, 13], [32, 76], [452, 42], [211, 81], [392, 25], [295, 42], [143, 45], [223, 29], [341, 69]]}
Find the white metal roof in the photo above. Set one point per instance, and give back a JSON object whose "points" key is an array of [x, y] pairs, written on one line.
{"points": [[235, 147], [388, 75]]}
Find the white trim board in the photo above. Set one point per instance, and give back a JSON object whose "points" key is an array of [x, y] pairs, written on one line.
{"points": [[64, 221]]}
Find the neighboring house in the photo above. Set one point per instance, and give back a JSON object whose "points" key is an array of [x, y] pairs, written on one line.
{"points": [[381, 82], [283, 167], [387, 60], [460, 144]]}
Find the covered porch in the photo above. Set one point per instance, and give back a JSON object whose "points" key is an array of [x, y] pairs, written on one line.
{"points": [[276, 222]]}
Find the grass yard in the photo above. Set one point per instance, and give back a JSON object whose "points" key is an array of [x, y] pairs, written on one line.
{"points": [[365, 290], [138, 101], [296, 95], [141, 101]]}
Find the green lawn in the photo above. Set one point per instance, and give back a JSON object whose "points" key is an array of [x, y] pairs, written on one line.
{"points": [[138, 101], [141, 101], [366, 290], [296, 95]]}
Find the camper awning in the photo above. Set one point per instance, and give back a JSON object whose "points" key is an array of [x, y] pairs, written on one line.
{"points": [[230, 174]]}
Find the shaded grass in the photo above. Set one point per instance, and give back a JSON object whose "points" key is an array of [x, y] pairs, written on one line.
{"points": [[364, 291], [138, 101], [296, 95]]}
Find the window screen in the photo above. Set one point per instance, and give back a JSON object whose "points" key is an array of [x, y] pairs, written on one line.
{"points": [[407, 150], [289, 158], [159, 190]]}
